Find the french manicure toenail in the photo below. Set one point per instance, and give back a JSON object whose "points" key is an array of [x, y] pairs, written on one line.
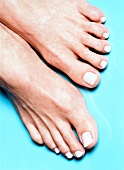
{"points": [[78, 154], [103, 19], [107, 49], [56, 150], [90, 78], [69, 155], [106, 35], [103, 64], [87, 139]]}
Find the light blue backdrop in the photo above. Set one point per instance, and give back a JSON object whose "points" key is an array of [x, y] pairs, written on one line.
{"points": [[106, 103]]}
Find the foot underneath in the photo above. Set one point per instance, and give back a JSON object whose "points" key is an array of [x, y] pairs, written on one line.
{"points": [[48, 104]]}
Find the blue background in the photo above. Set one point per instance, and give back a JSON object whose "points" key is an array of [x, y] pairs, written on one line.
{"points": [[18, 152]]}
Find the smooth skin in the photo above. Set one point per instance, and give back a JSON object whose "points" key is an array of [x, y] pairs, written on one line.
{"points": [[48, 107], [64, 32]]}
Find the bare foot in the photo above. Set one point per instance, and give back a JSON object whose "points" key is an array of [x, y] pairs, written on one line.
{"points": [[63, 32], [48, 104]]}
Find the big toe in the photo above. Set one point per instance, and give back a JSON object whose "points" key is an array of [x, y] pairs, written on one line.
{"points": [[87, 130], [81, 72], [86, 127]]}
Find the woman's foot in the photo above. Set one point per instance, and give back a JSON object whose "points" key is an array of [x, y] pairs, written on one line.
{"points": [[48, 104], [66, 33]]}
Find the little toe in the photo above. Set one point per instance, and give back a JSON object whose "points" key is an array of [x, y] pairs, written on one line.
{"points": [[91, 12], [30, 125], [45, 133]]}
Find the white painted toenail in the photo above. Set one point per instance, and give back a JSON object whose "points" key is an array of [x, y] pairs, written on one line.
{"points": [[87, 139], [56, 150], [69, 155], [103, 64], [90, 78], [78, 154], [106, 35], [107, 49], [103, 19]]}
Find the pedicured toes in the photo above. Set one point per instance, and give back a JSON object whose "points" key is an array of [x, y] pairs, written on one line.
{"points": [[83, 73], [87, 139], [91, 12], [79, 154], [107, 49], [106, 35], [69, 155], [99, 45], [103, 64], [103, 19], [90, 78], [85, 126], [57, 151], [98, 30]]}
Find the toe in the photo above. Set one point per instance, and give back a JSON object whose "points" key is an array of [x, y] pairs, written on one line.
{"points": [[34, 133], [70, 138], [30, 125], [99, 45], [57, 137], [68, 63], [86, 128], [91, 12], [89, 133], [96, 60], [61, 143], [81, 73], [97, 30], [45, 133], [52, 138]]}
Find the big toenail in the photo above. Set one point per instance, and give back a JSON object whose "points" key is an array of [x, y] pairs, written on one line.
{"points": [[103, 64], [87, 138], [107, 49], [56, 150], [69, 155], [106, 35], [78, 154], [103, 19], [90, 78]]}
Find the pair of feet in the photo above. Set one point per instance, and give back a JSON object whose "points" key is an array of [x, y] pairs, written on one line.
{"points": [[64, 32]]}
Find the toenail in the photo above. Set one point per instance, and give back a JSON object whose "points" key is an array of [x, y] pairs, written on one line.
{"points": [[103, 19], [69, 155], [106, 35], [103, 64], [56, 150], [107, 49], [78, 154], [90, 78], [87, 138]]}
